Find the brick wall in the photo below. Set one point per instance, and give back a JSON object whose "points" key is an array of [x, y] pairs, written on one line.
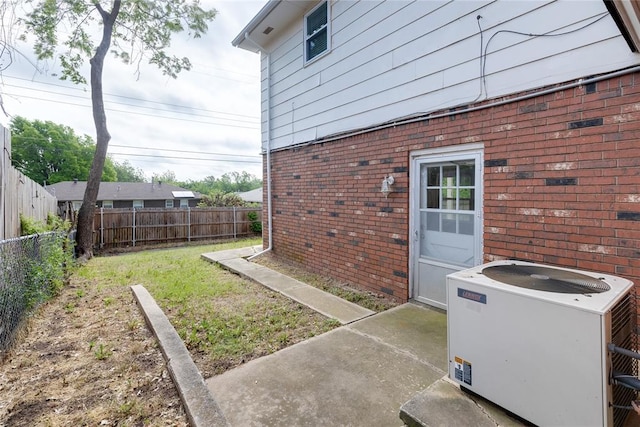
{"points": [[561, 187]]}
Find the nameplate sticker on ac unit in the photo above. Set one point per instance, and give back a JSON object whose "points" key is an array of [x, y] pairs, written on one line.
{"points": [[462, 370], [472, 296]]}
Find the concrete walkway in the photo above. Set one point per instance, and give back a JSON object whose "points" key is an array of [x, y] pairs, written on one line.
{"points": [[323, 302], [360, 374]]}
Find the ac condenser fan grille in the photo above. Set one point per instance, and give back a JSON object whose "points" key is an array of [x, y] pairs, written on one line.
{"points": [[545, 279]]}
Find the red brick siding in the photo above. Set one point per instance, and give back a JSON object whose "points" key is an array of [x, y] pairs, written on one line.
{"points": [[561, 186]]}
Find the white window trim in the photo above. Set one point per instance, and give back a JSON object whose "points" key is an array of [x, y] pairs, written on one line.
{"points": [[107, 204], [304, 35], [168, 203], [184, 203], [139, 202]]}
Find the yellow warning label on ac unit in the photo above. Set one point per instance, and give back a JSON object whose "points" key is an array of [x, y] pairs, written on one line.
{"points": [[462, 370]]}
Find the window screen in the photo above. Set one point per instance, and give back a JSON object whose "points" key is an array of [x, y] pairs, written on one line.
{"points": [[316, 31]]}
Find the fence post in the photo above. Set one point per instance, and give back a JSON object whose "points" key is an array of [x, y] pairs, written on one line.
{"points": [[101, 227], [188, 223], [235, 223], [133, 231]]}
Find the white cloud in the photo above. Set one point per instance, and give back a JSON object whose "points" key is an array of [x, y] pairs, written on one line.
{"points": [[211, 110]]}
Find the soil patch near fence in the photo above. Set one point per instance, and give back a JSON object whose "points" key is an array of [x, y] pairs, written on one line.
{"points": [[87, 358]]}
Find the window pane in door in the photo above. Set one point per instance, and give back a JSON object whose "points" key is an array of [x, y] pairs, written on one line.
{"points": [[434, 176], [467, 175], [449, 223], [433, 221], [449, 176], [433, 198], [465, 224], [467, 199], [449, 197]]}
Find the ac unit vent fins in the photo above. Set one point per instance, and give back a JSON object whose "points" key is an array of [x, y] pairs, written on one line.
{"points": [[545, 279], [623, 320]]}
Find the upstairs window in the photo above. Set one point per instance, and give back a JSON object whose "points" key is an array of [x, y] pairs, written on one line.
{"points": [[316, 32]]}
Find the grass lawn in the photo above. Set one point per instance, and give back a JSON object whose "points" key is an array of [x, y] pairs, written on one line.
{"points": [[223, 319]]}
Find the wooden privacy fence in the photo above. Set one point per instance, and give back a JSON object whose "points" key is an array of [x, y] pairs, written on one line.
{"points": [[114, 228], [19, 194]]}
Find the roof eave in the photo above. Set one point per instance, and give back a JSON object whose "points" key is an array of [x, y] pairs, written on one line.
{"points": [[626, 15], [241, 39]]}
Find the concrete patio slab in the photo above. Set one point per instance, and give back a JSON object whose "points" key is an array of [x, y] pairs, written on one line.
{"points": [[343, 377], [412, 328]]}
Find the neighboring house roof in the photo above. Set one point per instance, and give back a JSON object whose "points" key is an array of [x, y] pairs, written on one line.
{"points": [[73, 191], [253, 196]]}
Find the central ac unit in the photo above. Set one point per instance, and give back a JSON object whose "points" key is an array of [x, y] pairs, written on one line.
{"points": [[533, 339]]}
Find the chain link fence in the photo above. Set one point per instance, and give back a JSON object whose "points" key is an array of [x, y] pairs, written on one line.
{"points": [[32, 270]]}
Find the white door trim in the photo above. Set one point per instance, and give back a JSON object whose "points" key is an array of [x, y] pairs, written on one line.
{"points": [[473, 150]]}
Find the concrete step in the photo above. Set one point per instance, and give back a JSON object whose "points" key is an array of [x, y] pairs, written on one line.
{"points": [[444, 404]]}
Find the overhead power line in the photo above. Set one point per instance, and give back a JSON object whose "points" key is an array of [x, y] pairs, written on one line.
{"points": [[187, 158], [84, 91], [182, 151], [257, 126]]}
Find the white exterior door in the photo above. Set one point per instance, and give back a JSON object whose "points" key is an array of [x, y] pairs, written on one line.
{"points": [[446, 220]]}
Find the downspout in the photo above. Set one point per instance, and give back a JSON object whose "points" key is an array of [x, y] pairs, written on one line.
{"points": [[268, 148]]}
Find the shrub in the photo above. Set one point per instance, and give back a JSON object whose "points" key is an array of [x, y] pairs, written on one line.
{"points": [[256, 224]]}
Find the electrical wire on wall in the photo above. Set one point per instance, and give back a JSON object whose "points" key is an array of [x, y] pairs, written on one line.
{"points": [[484, 50]]}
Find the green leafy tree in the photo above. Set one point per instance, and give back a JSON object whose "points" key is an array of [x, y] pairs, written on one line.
{"points": [[239, 181], [167, 176], [221, 200], [48, 153], [233, 182], [139, 29], [128, 173]]}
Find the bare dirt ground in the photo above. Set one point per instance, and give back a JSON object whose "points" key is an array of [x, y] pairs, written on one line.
{"points": [[62, 373]]}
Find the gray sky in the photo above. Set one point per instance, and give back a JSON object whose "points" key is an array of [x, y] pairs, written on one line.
{"points": [[206, 122]]}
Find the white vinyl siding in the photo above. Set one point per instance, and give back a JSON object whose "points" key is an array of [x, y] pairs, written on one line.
{"points": [[393, 59], [138, 204]]}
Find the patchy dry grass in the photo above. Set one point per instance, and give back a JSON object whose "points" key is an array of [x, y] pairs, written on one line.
{"points": [[370, 300], [88, 358]]}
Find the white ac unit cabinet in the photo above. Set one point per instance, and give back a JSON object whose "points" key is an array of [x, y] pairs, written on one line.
{"points": [[541, 354]]}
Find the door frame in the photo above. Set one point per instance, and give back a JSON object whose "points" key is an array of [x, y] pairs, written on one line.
{"points": [[434, 154]]}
